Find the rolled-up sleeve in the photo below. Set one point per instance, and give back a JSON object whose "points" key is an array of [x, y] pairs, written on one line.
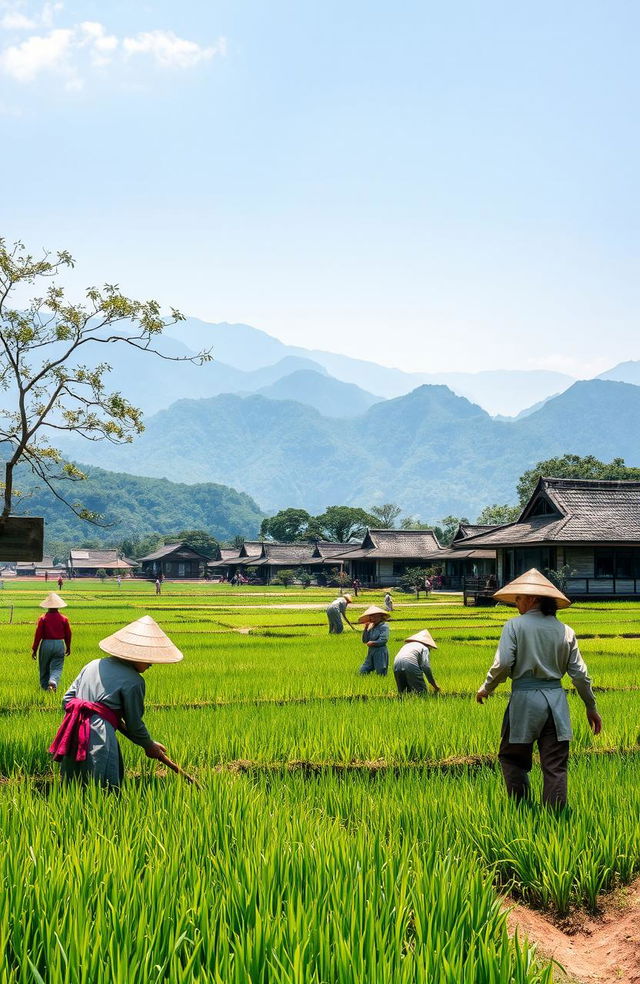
{"points": [[382, 636], [133, 712], [504, 659], [577, 670]]}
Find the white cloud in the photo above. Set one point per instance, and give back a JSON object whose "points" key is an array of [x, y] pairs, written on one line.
{"points": [[170, 51], [47, 53], [71, 52]]}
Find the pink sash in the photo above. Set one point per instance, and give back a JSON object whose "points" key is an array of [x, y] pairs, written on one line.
{"points": [[73, 733]]}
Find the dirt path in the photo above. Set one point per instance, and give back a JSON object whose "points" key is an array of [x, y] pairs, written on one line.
{"points": [[601, 951]]}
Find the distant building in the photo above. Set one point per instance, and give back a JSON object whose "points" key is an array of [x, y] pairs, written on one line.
{"points": [[174, 561], [86, 563], [384, 556], [460, 561], [37, 568], [591, 527]]}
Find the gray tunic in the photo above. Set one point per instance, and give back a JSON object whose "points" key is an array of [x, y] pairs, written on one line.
{"points": [[118, 685], [335, 614], [539, 647], [377, 657], [414, 656]]}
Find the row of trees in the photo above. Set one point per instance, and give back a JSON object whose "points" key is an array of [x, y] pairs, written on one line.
{"points": [[344, 523]]}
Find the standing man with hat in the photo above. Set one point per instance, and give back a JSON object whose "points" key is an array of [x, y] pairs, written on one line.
{"points": [[52, 641], [412, 665], [536, 650], [108, 696], [337, 611], [375, 637]]}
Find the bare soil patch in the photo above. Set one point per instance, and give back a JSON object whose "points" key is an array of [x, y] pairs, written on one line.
{"points": [[590, 950]]}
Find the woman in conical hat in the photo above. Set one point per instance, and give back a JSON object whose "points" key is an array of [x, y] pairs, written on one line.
{"points": [[375, 637], [412, 664], [108, 696], [52, 641], [536, 650]]}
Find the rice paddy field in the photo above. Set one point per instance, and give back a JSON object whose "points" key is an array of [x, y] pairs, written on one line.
{"points": [[338, 834]]}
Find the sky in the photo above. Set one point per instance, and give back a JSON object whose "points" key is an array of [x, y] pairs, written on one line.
{"points": [[433, 186]]}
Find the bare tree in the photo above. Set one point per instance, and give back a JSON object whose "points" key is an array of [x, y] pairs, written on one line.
{"points": [[46, 370]]}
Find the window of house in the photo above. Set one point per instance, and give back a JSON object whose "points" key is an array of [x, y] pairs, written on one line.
{"points": [[399, 568], [542, 507], [604, 562]]}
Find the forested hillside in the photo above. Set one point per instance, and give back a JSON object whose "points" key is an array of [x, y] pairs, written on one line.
{"points": [[133, 505]]}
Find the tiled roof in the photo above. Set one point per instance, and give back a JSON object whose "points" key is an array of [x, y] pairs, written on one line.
{"points": [[251, 548], [588, 511], [395, 544], [170, 548], [327, 549], [466, 555], [90, 559], [471, 529]]}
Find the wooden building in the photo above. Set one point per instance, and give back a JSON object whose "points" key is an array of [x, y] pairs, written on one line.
{"points": [[263, 559], [384, 555], [175, 561], [459, 562], [86, 563], [38, 568], [589, 527]]}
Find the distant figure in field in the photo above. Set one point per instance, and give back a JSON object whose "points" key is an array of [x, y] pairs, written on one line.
{"points": [[108, 696], [336, 612], [60, 582], [375, 637], [412, 664], [52, 641], [46, 576], [119, 581], [158, 586], [536, 650], [388, 601], [356, 585]]}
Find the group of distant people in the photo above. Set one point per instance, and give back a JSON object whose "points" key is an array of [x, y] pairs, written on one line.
{"points": [[411, 665]]}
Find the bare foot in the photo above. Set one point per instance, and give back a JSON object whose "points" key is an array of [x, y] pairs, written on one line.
{"points": [[52, 687]]}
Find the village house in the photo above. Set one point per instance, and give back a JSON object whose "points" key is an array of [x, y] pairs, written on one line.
{"points": [[87, 563], [263, 559], [385, 555], [37, 568], [174, 561], [458, 562], [589, 528]]}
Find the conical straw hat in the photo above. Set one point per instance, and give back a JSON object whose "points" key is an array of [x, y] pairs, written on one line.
{"points": [[348, 597], [373, 610], [531, 583], [142, 641], [425, 637], [53, 600]]}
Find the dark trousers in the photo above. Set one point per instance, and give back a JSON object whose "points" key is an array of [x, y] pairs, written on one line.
{"points": [[516, 761], [410, 681]]}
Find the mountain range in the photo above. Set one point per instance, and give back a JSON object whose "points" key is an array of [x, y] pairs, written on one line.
{"points": [[430, 451], [246, 360]]}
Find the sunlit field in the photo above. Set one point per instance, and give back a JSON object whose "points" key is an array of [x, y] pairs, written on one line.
{"points": [[338, 834]]}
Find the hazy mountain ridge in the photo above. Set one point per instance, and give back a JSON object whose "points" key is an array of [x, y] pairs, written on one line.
{"points": [[431, 451]]}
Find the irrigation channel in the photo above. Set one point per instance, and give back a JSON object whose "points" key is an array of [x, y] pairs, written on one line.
{"points": [[339, 833]]}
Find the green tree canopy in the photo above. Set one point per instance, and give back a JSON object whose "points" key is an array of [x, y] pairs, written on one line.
{"points": [[198, 540], [386, 515], [446, 528], [343, 523], [498, 515], [286, 526], [50, 372], [573, 466]]}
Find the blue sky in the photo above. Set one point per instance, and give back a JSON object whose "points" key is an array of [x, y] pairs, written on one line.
{"points": [[430, 185]]}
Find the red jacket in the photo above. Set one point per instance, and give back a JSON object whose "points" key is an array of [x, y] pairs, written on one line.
{"points": [[53, 625]]}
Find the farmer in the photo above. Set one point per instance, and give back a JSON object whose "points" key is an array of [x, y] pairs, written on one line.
{"points": [[108, 695], [388, 601], [375, 637], [337, 611], [536, 650], [52, 641], [158, 585], [412, 665]]}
